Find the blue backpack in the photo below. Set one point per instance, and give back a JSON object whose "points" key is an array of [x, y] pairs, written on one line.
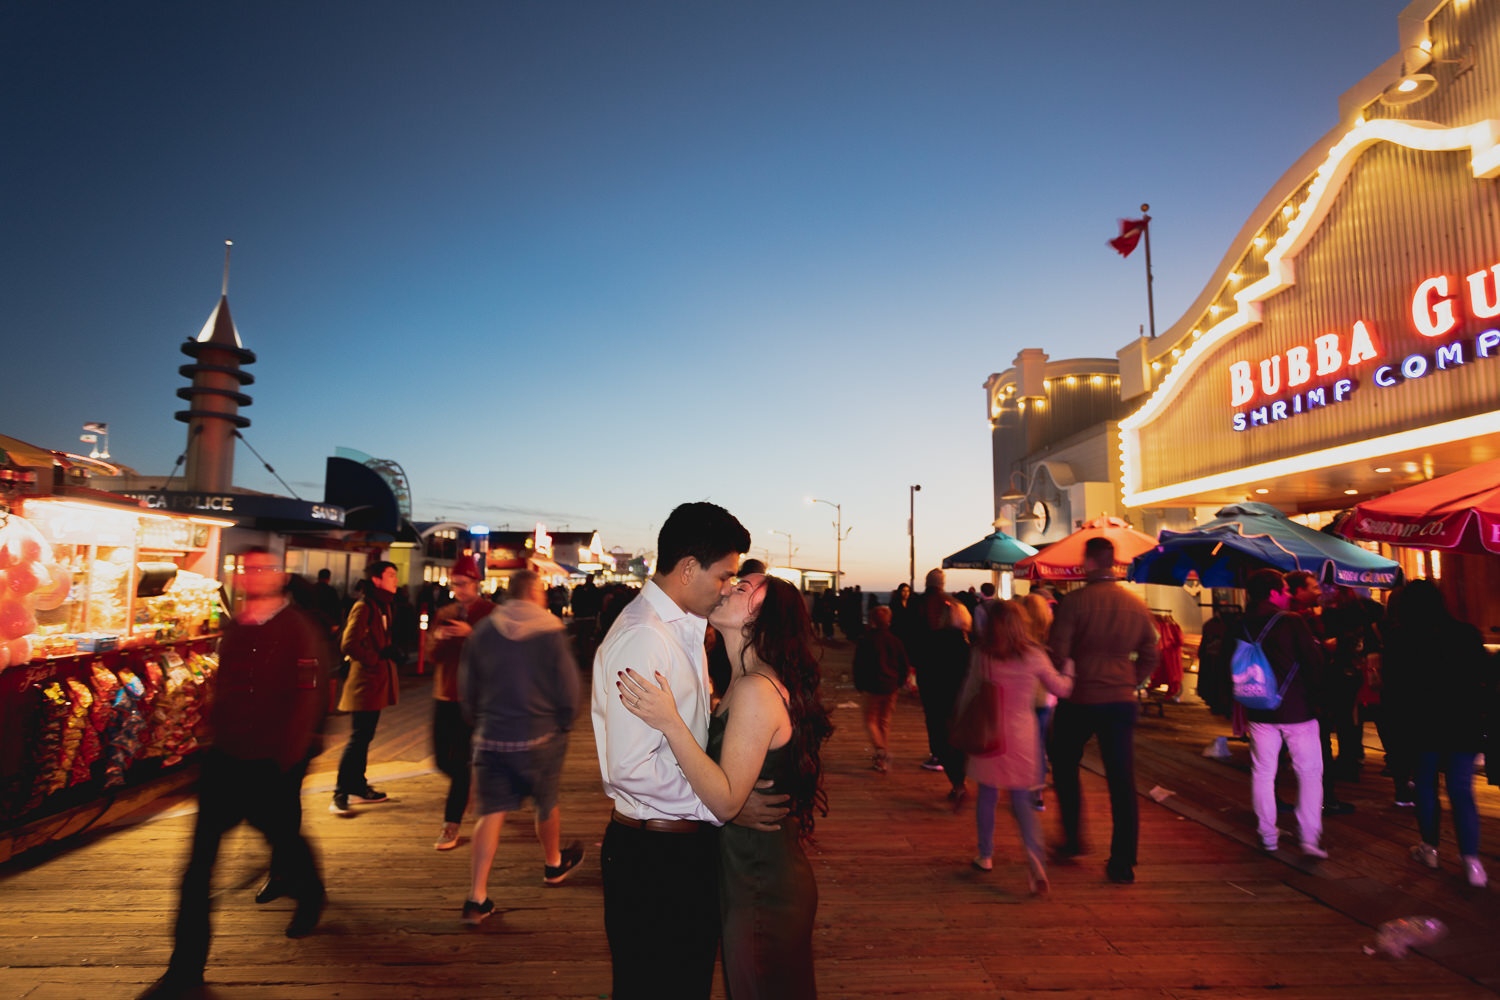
{"points": [[1251, 674]]}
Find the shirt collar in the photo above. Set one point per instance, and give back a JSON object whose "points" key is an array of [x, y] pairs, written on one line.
{"points": [[684, 623], [666, 609]]}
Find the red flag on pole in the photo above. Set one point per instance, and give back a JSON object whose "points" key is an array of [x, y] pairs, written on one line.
{"points": [[1130, 234]]}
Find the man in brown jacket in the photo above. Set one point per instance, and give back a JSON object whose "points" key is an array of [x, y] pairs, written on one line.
{"points": [[372, 685], [1108, 634]]}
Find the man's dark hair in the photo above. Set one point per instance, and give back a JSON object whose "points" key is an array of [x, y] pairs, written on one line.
{"points": [[378, 567], [1261, 584], [324, 575], [987, 589], [704, 532], [1099, 550], [1297, 579], [751, 566]]}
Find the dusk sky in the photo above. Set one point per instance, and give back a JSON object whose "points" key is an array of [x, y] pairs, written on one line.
{"points": [[580, 262]]}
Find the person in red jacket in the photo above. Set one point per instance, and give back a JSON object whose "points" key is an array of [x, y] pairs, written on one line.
{"points": [[451, 735], [267, 711]]}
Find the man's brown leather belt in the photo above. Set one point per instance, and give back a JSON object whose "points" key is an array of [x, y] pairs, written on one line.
{"points": [[659, 825]]}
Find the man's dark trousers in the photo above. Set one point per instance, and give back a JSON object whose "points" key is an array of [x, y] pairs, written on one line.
{"points": [[661, 911], [231, 790], [352, 763], [1114, 724]]}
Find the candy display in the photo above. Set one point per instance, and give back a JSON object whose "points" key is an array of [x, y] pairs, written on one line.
{"points": [[107, 615], [88, 742], [49, 722], [126, 730]]}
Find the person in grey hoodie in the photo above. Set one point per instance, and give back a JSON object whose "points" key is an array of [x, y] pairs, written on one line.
{"points": [[519, 688]]}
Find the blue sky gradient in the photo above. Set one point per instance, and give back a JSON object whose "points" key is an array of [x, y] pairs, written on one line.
{"points": [[580, 262]]}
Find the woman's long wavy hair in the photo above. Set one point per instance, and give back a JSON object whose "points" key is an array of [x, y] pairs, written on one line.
{"points": [[781, 636]]}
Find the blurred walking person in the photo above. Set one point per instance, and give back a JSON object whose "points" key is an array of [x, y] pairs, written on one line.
{"points": [[1110, 637], [451, 734], [518, 684], [1438, 682], [1013, 663], [941, 658], [266, 713], [881, 667], [1296, 658]]}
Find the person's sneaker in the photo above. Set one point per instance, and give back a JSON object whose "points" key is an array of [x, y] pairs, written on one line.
{"points": [[369, 797], [1119, 874], [932, 764], [878, 764], [1405, 803], [1474, 872], [571, 855], [447, 838], [474, 913], [1038, 803], [1314, 851], [340, 804], [983, 863], [1270, 846], [1425, 854], [1337, 808]]}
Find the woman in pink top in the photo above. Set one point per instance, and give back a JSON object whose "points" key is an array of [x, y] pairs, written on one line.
{"points": [[1013, 662]]}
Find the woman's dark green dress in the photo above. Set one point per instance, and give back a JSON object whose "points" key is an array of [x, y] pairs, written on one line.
{"points": [[767, 896]]}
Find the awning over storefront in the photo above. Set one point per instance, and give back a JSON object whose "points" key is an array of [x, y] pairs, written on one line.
{"points": [[548, 568], [20, 453], [1460, 512]]}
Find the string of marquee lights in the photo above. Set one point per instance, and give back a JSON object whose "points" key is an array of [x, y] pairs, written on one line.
{"points": [[1301, 214]]}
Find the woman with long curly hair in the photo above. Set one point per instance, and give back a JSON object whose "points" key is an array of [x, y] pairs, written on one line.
{"points": [[770, 725]]}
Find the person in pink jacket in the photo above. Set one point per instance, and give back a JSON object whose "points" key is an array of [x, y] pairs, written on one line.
{"points": [[1010, 659]]}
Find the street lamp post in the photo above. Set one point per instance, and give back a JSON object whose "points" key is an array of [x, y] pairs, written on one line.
{"points": [[911, 533], [838, 528], [788, 546]]}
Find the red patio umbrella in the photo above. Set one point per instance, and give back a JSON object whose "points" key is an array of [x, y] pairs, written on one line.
{"points": [[1460, 511], [1063, 559]]}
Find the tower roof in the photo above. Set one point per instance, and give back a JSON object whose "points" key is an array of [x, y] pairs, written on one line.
{"points": [[219, 332]]}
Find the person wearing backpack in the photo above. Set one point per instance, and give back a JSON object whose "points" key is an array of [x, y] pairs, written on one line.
{"points": [[1296, 659]]}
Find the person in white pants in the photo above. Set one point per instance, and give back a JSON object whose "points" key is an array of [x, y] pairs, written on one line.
{"points": [[1293, 653]]}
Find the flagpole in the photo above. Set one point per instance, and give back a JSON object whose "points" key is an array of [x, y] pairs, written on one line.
{"points": [[1150, 299]]}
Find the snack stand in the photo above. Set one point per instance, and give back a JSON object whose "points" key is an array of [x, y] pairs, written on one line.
{"points": [[109, 616]]}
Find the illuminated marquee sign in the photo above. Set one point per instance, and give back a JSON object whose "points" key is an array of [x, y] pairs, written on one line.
{"points": [[1277, 382]]}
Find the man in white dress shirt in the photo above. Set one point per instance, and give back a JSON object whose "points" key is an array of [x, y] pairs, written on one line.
{"points": [[659, 853]]}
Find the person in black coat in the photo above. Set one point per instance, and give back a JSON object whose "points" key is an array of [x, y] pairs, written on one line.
{"points": [[1437, 686]]}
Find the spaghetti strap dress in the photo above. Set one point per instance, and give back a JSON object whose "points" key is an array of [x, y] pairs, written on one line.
{"points": [[767, 895]]}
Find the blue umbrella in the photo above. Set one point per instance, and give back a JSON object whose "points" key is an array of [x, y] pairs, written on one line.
{"points": [[1245, 537], [998, 551]]}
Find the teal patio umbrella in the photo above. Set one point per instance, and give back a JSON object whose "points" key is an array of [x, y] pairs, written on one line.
{"points": [[998, 551], [1245, 537]]}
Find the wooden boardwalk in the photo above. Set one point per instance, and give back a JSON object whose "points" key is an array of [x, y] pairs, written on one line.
{"points": [[902, 913]]}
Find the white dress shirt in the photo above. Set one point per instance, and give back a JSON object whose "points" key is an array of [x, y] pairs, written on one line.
{"points": [[640, 772]]}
